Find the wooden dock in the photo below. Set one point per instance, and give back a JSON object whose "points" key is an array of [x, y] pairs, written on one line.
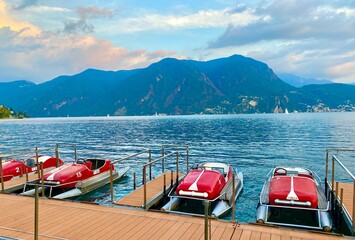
{"points": [[18, 183], [154, 191], [72, 220], [348, 200]]}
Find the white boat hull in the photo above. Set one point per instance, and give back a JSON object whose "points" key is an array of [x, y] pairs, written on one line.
{"points": [[84, 186], [221, 207]]}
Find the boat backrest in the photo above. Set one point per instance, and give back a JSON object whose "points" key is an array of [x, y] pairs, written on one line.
{"points": [[89, 164], [30, 162]]}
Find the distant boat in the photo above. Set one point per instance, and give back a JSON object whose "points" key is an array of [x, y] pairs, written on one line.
{"points": [[286, 111]]}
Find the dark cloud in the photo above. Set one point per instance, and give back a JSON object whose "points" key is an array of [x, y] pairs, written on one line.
{"points": [[81, 26], [85, 14], [27, 3], [289, 20]]}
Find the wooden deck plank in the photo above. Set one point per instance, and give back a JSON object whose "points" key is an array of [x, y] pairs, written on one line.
{"points": [[146, 229], [189, 232], [99, 222], [218, 232], [265, 236], [166, 227], [255, 236], [136, 198], [153, 231], [237, 234], [347, 197], [246, 234], [183, 228], [275, 237], [174, 228]]}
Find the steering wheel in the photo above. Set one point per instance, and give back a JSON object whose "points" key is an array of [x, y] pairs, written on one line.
{"points": [[280, 171], [81, 161]]}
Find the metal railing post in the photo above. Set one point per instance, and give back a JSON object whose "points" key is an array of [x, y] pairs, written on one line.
{"points": [[56, 156], [75, 152], [134, 181], [164, 188], [353, 216], [206, 203], [38, 171], [150, 166], [341, 197], [187, 159], [333, 173], [1, 176], [233, 198], [171, 178], [145, 188], [177, 168], [336, 190], [326, 163], [163, 160], [42, 178], [26, 175], [36, 213], [111, 184]]}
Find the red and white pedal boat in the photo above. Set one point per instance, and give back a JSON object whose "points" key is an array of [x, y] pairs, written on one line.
{"points": [[294, 197], [16, 168], [75, 179], [207, 182]]}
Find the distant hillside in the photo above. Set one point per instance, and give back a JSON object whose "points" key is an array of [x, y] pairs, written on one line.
{"points": [[298, 81], [235, 84]]}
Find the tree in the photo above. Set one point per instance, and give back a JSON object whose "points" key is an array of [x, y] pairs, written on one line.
{"points": [[4, 112]]}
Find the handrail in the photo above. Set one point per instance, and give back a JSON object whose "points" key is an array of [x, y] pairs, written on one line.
{"points": [[15, 155], [334, 160], [150, 164], [64, 144], [176, 147], [327, 157], [133, 155], [121, 160], [7, 156], [343, 167]]}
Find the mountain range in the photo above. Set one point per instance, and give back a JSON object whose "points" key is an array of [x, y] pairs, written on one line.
{"points": [[236, 84], [298, 81]]}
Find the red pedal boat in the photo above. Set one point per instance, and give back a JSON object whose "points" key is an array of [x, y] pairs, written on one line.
{"points": [[207, 182], [16, 168], [75, 179], [294, 197]]}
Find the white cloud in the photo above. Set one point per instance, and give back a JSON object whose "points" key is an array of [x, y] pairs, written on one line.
{"points": [[201, 19], [45, 56]]}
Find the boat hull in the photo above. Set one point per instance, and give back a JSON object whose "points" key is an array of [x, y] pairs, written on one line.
{"points": [[293, 197], [83, 187], [220, 206]]}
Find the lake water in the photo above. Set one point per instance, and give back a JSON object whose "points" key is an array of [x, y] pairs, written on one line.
{"points": [[252, 143]]}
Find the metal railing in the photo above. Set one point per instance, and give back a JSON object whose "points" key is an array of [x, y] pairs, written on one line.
{"points": [[335, 185], [22, 152], [64, 144], [149, 164], [165, 146], [149, 151]]}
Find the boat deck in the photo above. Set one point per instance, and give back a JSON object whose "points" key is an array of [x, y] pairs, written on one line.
{"points": [[72, 220], [154, 191]]}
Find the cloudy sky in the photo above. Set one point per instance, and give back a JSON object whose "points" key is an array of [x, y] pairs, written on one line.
{"points": [[41, 39]]}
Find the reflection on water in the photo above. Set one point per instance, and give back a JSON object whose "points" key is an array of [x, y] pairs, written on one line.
{"points": [[252, 143]]}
